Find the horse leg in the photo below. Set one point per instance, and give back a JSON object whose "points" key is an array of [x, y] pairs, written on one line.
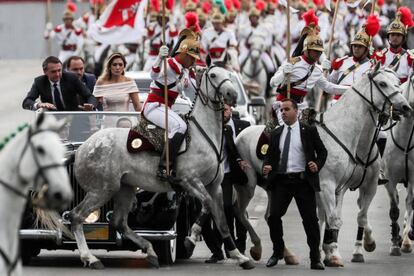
{"points": [[217, 208], [244, 195], [330, 242], [395, 249], [406, 245], [201, 194], [367, 192], [92, 201], [123, 201]]}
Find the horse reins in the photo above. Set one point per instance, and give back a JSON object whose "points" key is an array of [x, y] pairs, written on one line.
{"points": [[11, 264], [218, 99]]}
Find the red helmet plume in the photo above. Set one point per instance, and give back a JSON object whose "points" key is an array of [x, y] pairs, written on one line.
{"points": [[372, 25], [310, 18], [406, 16], [191, 21]]}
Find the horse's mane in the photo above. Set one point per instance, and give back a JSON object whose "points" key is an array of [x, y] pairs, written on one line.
{"points": [[12, 135]]}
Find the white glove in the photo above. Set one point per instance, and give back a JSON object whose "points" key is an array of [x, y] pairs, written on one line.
{"points": [[163, 51], [326, 64], [287, 68]]}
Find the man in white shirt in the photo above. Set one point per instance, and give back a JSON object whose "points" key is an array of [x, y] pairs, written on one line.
{"points": [[295, 156]]}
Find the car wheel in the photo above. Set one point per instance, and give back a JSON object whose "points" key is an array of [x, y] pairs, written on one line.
{"points": [[166, 250]]}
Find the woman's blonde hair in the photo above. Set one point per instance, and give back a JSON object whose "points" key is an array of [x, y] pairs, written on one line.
{"points": [[107, 75]]}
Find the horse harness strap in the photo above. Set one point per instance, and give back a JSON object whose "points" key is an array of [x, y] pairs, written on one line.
{"points": [[11, 264], [351, 69], [220, 158], [406, 150]]}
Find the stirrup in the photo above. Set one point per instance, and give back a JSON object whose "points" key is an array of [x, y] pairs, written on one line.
{"points": [[162, 174]]}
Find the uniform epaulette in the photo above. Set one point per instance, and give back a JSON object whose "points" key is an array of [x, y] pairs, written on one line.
{"points": [[380, 55], [337, 63], [58, 29], [294, 60], [78, 32]]}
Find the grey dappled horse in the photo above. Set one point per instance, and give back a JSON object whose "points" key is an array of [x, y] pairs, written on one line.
{"points": [[105, 170], [398, 162], [31, 160], [376, 91]]}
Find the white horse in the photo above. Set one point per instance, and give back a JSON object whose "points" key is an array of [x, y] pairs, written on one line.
{"points": [[398, 162], [31, 160], [105, 170], [376, 91]]}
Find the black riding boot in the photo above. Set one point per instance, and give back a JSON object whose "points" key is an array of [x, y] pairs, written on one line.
{"points": [[174, 146]]}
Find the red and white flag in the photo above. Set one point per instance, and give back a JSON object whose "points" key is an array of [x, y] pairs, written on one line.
{"points": [[121, 22]]}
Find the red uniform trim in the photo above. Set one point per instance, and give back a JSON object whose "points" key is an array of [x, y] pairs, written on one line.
{"points": [[78, 32], [216, 52], [293, 91], [402, 80], [150, 32], [337, 63], [155, 96], [173, 33], [379, 56], [410, 60], [392, 50], [58, 29], [174, 66], [305, 58], [156, 69]]}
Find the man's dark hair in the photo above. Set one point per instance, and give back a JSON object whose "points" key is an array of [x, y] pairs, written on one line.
{"points": [[294, 103], [50, 59], [73, 58]]}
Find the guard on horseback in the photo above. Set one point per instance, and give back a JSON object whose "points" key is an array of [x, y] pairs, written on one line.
{"points": [[349, 69], [395, 56], [302, 68], [178, 80]]}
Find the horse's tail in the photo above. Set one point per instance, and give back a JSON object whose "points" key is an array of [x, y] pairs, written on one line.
{"points": [[50, 220]]}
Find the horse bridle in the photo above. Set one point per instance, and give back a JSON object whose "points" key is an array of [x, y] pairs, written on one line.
{"points": [[217, 100], [370, 101], [11, 263]]}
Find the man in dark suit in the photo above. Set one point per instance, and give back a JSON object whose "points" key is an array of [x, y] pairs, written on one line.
{"points": [[295, 156], [234, 166], [76, 65], [58, 91]]}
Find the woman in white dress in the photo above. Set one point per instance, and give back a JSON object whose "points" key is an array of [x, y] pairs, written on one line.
{"points": [[115, 91]]}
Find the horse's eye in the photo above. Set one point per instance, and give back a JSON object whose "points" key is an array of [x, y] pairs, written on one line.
{"points": [[383, 84], [40, 150], [213, 75]]}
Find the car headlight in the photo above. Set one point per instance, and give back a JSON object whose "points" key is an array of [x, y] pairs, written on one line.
{"points": [[93, 217]]}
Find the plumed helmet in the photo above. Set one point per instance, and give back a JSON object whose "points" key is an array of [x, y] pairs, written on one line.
{"points": [[370, 29], [68, 15], [254, 12], [190, 6], [402, 22], [313, 42], [312, 39], [217, 17], [190, 44]]}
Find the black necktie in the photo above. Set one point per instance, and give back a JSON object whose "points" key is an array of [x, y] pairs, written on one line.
{"points": [[58, 101], [285, 153]]}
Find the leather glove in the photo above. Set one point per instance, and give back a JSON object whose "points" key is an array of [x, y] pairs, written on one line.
{"points": [[326, 64]]}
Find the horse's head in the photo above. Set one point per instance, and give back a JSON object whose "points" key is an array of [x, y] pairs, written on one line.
{"points": [[217, 86], [42, 163], [257, 46], [382, 90]]}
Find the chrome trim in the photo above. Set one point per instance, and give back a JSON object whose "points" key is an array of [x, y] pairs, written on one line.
{"points": [[41, 234], [163, 235]]}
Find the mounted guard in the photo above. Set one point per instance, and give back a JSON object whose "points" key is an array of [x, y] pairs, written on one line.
{"points": [[395, 56], [178, 80]]}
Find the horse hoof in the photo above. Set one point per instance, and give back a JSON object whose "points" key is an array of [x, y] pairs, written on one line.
{"points": [[370, 247], [395, 251], [247, 265], [256, 252], [334, 261], [189, 246], [291, 260], [406, 248], [153, 261], [96, 265], [358, 258], [411, 235]]}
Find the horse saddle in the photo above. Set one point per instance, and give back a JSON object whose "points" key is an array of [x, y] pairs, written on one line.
{"points": [[146, 136], [263, 142]]}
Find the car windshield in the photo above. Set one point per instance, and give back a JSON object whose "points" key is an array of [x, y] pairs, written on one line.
{"points": [[241, 98]]}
